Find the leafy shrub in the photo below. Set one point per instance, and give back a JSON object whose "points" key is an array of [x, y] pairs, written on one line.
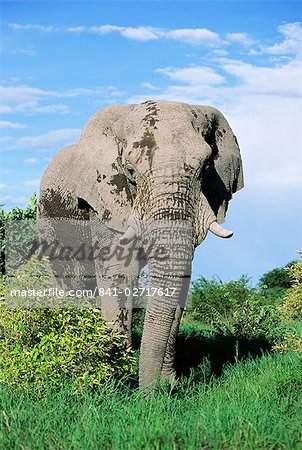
{"points": [[291, 312], [214, 302], [46, 346], [235, 308], [213, 299], [28, 214], [292, 306], [291, 341], [256, 321]]}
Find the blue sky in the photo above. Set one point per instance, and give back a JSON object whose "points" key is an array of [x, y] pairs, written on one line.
{"points": [[62, 61]]}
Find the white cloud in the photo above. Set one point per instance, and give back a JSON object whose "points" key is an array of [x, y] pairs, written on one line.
{"points": [[240, 38], [76, 29], [292, 44], [29, 100], [199, 75], [22, 27], [148, 85], [136, 33], [279, 80], [140, 33], [11, 125], [5, 139], [270, 138], [2, 186], [220, 52], [32, 108], [33, 182], [32, 100], [5, 109], [52, 140], [23, 93], [194, 36], [31, 160]]}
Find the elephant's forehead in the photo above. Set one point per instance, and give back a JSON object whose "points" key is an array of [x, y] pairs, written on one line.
{"points": [[167, 126], [128, 119], [166, 114], [154, 128]]}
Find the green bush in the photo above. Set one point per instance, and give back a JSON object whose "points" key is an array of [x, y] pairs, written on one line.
{"points": [[234, 308], [48, 346], [291, 312], [210, 297], [22, 239], [292, 306], [256, 321], [45, 346]]}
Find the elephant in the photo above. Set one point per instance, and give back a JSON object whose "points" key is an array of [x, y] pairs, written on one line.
{"points": [[160, 172]]}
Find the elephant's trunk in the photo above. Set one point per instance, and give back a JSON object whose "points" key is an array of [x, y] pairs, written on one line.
{"points": [[168, 225], [170, 273]]}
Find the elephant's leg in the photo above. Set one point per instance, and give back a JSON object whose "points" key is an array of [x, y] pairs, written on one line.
{"points": [[168, 365], [116, 277], [116, 305]]}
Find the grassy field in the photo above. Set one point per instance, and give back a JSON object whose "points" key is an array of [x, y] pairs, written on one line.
{"points": [[254, 404], [240, 378]]}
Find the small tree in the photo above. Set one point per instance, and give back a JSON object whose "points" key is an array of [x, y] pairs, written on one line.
{"points": [[274, 284]]}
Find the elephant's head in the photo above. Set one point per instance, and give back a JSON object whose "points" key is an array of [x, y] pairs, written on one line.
{"points": [[160, 160], [181, 162]]}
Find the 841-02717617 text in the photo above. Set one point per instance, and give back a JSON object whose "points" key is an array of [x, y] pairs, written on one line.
{"points": [[97, 292]]}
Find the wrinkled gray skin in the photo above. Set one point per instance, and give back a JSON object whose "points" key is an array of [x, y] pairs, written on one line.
{"points": [[140, 164]]}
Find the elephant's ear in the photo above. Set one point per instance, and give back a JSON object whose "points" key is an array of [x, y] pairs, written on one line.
{"points": [[104, 182], [224, 174]]}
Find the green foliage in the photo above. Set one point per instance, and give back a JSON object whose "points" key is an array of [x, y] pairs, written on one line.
{"points": [[234, 308], [46, 346], [211, 296], [17, 214], [254, 320], [274, 284], [292, 306], [291, 312], [277, 278]]}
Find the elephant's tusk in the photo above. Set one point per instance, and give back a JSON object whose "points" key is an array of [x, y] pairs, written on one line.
{"points": [[133, 231], [128, 236], [217, 229]]}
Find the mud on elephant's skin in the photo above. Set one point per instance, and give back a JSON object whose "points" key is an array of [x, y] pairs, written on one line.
{"points": [[167, 171]]}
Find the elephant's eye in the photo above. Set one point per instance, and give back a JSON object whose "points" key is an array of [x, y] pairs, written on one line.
{"points": [[130, 172]]}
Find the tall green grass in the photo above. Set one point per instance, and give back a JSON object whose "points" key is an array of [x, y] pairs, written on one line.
{"points": [[255, 404]]}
